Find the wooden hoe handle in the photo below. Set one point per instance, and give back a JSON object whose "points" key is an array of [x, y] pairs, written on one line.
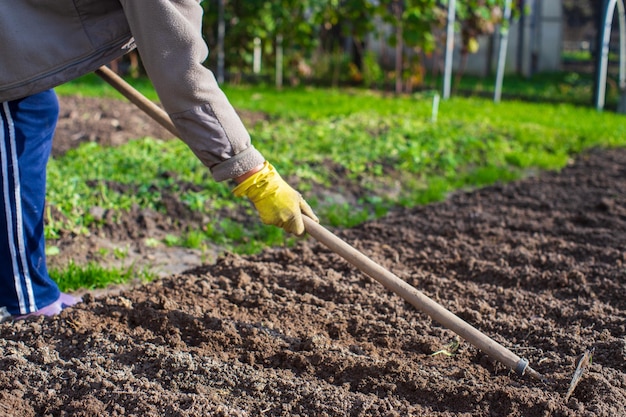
{"points": [[138, 99], [419, 300], [392, 282]]}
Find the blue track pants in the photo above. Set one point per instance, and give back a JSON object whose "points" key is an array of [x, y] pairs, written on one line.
{"points": [[26, 130]]}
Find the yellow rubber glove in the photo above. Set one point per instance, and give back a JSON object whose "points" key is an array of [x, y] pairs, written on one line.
{"points": [[277, 203]]}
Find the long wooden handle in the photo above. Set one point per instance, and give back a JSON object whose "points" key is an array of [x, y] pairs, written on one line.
{"points": [[135, 97], [392, 282], [419, 300]]}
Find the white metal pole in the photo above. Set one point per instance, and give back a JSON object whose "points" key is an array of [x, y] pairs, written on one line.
{"points": [[621, 13], [504, 41], [435, 109], [621, 17], [604, 53], [447, 76]]}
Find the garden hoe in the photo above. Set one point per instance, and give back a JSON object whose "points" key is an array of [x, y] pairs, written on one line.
{"points": [[391, 281]]}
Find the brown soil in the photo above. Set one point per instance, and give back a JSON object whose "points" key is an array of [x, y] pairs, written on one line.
{"points": [[538, 265]]}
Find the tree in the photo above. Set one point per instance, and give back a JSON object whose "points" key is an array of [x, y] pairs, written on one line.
{"points": [[250, 19], [413, 22], [339, 28], [345, 19], [476, 18]]}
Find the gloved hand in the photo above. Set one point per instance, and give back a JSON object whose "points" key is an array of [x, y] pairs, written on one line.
{"points": [[277, 203]]}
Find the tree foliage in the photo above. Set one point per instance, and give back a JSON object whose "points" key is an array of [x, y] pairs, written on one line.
{"points": [[246, 20], [314, 28]]}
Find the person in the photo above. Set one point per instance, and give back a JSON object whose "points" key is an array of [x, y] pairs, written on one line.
{"points": [[44, 44]]}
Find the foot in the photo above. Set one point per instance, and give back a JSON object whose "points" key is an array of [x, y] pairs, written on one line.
{"points": [[64, 300]]}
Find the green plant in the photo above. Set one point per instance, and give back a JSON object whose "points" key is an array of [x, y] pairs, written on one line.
{"points": [[193, 239], [120, 253], [171, 240], [92, 275], [382, 151]]}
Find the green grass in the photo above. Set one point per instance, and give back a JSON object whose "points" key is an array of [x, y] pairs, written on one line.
{"points": [[386, 146], [569, 87], [558, 87], [92, 276], [91, 85]]}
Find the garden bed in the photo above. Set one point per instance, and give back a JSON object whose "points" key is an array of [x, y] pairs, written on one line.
{"points": [[538, 265]]}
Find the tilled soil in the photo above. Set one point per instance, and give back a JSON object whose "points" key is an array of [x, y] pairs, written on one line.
{"points": [[538, 265]]}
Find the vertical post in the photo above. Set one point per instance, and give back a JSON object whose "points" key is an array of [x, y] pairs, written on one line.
{"points": [[256, 63], [537, 35], [447, 76], [435, 109], [279, 61], [397, 5], [621, 17], [221, 30], [504, 41], [399, 58], [602, 55], [521, 41]]}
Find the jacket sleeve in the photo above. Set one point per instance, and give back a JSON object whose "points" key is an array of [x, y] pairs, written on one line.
{"points": [[169, 40]]}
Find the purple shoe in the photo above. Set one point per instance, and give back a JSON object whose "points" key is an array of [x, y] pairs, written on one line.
{"points": [[64, 300]]}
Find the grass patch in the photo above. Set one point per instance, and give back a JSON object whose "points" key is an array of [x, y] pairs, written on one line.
{"points": [[474, 143], [333, 139], [91, 85], [92, 275]]}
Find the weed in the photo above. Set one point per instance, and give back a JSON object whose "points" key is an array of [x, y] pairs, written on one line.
{"points": [[92, 275], [171, 240], [151, 242], [52, 250], [120, 253], [194, 239]]}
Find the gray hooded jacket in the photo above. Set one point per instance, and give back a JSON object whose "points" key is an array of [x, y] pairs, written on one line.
{"points": [[44, 43]]}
